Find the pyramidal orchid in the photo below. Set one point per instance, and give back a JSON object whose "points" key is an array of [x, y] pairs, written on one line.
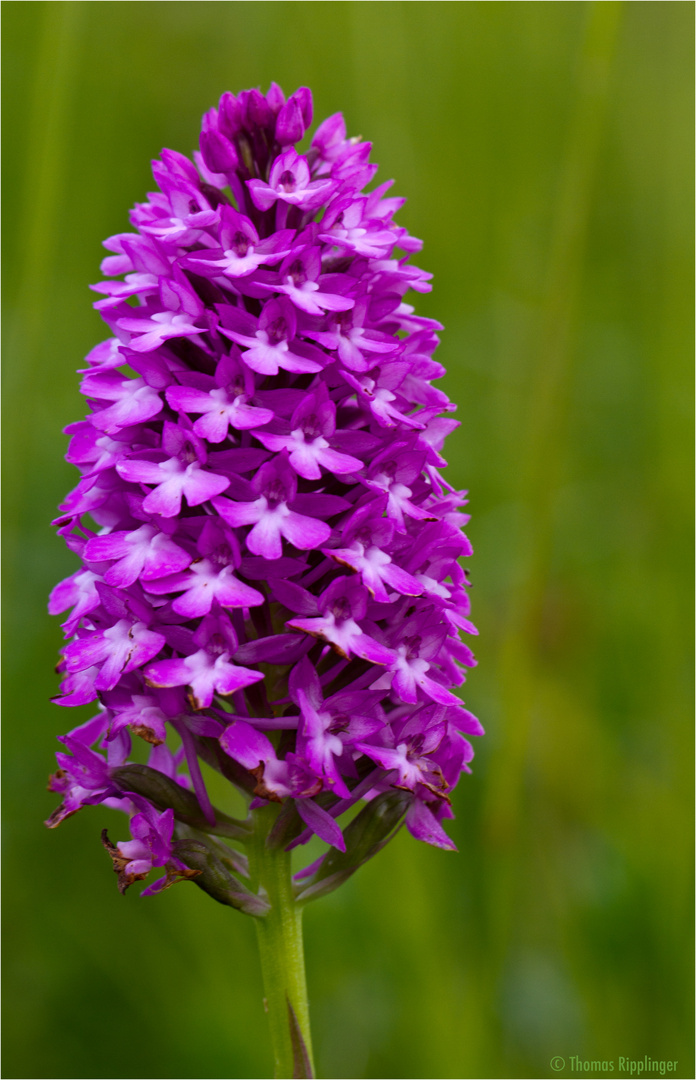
{"points": [[270, 582]]}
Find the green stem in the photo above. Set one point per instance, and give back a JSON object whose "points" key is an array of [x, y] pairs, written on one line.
{"points": [[282, 956]]}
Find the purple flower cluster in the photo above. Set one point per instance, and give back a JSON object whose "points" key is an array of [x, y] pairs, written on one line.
{"points": [[270, 573]]}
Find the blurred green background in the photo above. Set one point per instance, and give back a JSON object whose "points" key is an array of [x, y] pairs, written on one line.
{"points": [[545, 150]]}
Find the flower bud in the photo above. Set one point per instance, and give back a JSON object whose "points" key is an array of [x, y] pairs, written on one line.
{"points": [[364, 837], [215, 879], [167, 794]]}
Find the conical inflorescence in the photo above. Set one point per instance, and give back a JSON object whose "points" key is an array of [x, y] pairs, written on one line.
{"points": [[269, 576]]}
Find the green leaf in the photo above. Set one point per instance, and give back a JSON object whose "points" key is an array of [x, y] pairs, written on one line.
{"points": [[302, 1068]]}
